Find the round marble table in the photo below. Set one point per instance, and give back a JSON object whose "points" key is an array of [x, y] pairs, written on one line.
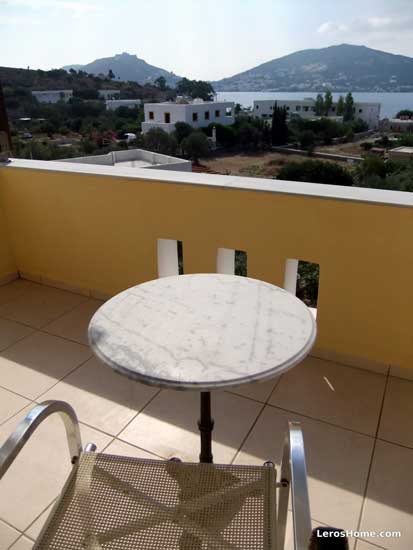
{"points": [[202, 332]]}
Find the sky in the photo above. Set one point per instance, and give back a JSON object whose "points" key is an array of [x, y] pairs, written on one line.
{"points": [[206, 40]]}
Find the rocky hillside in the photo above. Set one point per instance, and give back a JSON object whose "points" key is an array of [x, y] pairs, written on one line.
{"points": [[127, 67], [339, 68]]}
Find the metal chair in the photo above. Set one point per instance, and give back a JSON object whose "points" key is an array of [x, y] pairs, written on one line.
{"points": [[117, 502]]}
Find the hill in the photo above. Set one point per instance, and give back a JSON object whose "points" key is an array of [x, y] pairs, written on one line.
{"points": [[19, 83], [339, 68], [127, 67]]}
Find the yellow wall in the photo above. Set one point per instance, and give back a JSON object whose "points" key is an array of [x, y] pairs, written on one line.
{"points": [[101, 233], [7, 263]]}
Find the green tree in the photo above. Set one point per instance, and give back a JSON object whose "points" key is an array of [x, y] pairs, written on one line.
{"points": [[340, 106], [159, 141], [328, 102], [182, 131], [307, 140], [279, 128], [348, 114], [196, 146], [195, 88], [319, 105], [160, 83], [405, 112], [316, 171]]}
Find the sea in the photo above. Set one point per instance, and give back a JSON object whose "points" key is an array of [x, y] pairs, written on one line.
{"points": [[391, 102]]}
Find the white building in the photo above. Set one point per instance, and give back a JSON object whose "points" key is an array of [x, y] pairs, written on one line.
{"points": [[305, 108], [197, 113], [52, 96], [137, 159], [113, 104], [398, 125], [109, 94], [401, 153]]}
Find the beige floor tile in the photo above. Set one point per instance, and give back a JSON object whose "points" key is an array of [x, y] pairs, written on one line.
{"points": [[13, 290], [39, 472], [260, 391], [10, 404], [74, 325], [40, 305], [168, 426], [389, 503], [11, 332], [335, 393], [289, 534], [395, 425], [401, 372], [7, 535], [337, 462], [22, 543], [363, 545], [118, 447], [34, 530], [102, 398], [34, 364]]}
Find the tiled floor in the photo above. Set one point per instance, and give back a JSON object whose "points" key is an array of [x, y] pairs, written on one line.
{"points": [[357, 424]]}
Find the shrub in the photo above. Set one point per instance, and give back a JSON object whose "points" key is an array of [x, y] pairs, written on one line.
{"points": [[316, 171]]}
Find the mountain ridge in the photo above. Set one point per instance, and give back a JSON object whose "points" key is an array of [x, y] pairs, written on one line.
{"points": [[342, 67], [126, 66]]}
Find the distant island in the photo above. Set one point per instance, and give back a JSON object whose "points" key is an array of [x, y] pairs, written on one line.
{"points": [[127, 67], [342, 68], [338, 68]]}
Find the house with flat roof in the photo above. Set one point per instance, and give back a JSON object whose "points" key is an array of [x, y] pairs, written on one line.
{"points": [[305, 108], [197, 113], [399, 125], [109, 94], [52, 96], [135, 158], [401, 153], [113, 104]]}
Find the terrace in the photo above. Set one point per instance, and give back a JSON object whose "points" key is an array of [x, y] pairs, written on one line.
{"points": [[73, 235]]}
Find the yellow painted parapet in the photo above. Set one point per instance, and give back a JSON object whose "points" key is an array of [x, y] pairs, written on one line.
{"points": [[100, 231]]}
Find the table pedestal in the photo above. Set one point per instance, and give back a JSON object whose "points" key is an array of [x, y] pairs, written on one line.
{"points": [[206, 425]]}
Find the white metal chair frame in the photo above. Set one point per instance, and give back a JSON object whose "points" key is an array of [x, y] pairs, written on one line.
{"points": [[293, 466]]}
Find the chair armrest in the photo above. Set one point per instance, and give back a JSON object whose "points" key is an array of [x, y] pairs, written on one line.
{"points": [[294, 476], [31, 421]]}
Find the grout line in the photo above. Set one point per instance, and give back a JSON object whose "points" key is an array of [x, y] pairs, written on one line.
{"points": [[363, 369], [320, 420], [248, 434], [38, 516], [363, 506], [139, 412], [41, 394], [12, 526], [136, 447]]}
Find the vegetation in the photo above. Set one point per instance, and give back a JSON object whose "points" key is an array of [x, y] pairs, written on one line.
{"points": [[348, 113], [374, 172], [316, 171], [159, 141], [195, 146], [195, 88], [405, 112], [279, 128]]}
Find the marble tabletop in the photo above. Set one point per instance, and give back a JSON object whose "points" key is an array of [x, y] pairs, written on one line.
{"points": [[202, 332]]}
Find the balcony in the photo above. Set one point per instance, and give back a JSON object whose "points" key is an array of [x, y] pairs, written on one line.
{"points": [[78, 234]]}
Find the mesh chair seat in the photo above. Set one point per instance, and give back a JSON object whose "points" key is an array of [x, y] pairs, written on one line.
{"points": [[115, 502]]}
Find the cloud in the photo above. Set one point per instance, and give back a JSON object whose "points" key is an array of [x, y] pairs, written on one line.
{"points": [[69, 5], [372, 25], [331, 27], [15, 20]]}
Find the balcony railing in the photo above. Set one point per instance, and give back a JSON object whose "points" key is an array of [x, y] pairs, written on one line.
{"points": [[99, 229]]}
